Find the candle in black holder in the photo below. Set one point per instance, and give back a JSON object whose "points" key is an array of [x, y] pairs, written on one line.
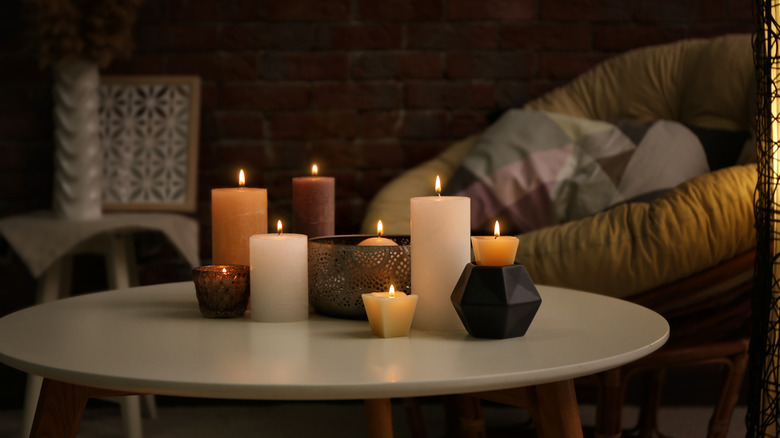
{"points": [[222, 290]]}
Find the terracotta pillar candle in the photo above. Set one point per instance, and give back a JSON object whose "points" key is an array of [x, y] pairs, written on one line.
{"points": [[495, 250], [314, 205], [236, 214], [440, 231], [279, 276]]}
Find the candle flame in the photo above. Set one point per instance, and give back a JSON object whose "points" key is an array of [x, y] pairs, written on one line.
{"points": [[224, 271], [380, 229], [314, 169], [279, 226], [438, 185], [392, 291], [496, 230], [241, 179]]}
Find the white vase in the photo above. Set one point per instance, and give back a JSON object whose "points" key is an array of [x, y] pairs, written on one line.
{"points": [[78, 155]]}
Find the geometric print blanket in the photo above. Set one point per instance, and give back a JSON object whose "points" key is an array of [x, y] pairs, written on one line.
{"points": [[533, 169]]}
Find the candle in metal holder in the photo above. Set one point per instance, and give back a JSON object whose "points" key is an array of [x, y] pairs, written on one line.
{"points": [[222, 290], [341, 271]]}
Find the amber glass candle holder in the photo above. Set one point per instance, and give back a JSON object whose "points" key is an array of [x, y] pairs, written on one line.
{"points": [[222, 290]]}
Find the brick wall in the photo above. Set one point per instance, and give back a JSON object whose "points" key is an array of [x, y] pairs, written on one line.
{"points": [[364, 88]]}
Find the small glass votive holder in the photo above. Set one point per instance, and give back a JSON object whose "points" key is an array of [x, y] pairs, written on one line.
{"points": [[222, 290]]}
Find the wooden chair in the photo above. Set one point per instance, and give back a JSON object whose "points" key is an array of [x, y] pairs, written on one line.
{"points": [[711, 326]]}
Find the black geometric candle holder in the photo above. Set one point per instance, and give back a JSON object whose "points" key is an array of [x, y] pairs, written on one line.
{"points": [[496, 302]]}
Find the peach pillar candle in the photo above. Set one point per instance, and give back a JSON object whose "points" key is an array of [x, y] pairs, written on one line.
{"points": [[496, 250], [279, 276], [378, 240], [314, 203], [389, 314], [236, 214], [440, 231]]}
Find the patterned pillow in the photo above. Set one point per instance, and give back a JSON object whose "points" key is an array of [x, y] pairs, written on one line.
{"points": [[533, 169]]}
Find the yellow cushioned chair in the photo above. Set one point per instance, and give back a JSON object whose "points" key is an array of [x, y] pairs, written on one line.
{"points": [[687, 254]]}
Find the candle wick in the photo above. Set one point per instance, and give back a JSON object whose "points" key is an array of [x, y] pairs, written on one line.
{"points": [[495, 236]]}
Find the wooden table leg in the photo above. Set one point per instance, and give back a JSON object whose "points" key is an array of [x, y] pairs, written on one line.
{"points": [[60, 407], [558, 414], [379, 418]]}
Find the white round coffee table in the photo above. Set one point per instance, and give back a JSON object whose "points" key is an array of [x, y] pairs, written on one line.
{"points": [[153, 339]]}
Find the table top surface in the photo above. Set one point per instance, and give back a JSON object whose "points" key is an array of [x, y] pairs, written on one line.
{"points": [[152, 339]]}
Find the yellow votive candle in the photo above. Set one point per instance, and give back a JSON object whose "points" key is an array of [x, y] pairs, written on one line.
{"points": [[390, 314]]}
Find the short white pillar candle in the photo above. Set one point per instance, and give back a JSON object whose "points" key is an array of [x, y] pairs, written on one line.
{"points": [[279, 277]]}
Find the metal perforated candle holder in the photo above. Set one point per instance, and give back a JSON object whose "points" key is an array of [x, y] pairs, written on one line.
{"points": [[340, 271], [221, 294]]}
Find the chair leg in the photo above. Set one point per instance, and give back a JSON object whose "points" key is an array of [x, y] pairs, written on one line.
{"points": [[647, 426], [31, 393], [735, 374], [131, 415]]}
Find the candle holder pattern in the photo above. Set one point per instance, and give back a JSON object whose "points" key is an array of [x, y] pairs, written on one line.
{"points": [[221, 294], [496, 302], [340, 271]]}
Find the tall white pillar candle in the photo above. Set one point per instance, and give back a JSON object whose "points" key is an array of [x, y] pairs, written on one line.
{"points": [[440, 243], [279, 277]]}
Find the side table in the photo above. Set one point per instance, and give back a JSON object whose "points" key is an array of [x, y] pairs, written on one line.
{"points": [[47, 244]]}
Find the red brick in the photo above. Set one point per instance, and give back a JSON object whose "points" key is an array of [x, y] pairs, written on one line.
{"points": [[333, 154], [233, 156], [375, 95], [374, 181], [453, 35], [215, 66], [284, 36], [312, 125], [378, 124], [381, 154], [306, 10], [740, 10], [265, 96], [467, 123], [140, 63], [380, 65], [491, 9], [232, 125], [360, 36], [289, 154], [304, 66], [546, 36], [418, 151], [713, 30], [621, 37], [567, 65], [177, 38], [424, 124], [349, 214], [512, 94], [579, 10], [494, 65], [209, 10], [654, 11], [449, 94], [400, 10]]}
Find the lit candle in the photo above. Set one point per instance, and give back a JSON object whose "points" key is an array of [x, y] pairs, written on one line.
{"points": [[378, 240], [494, 251], [389, 314], [236, 214], [314, 203], [279, 276], [440, 231]]}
